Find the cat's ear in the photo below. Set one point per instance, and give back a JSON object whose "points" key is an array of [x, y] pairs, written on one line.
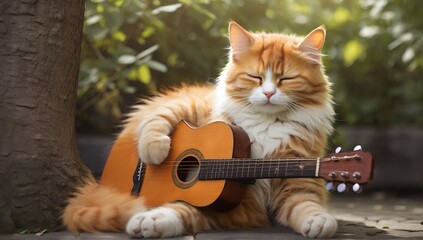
{"points": [[315, 39], [240, 39], [313, 43]]}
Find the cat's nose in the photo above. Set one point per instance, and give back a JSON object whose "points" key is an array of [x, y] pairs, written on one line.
{"points": [[269, 93]]}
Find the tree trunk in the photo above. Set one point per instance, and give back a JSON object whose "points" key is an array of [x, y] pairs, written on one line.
{"points": [[39, 63]]}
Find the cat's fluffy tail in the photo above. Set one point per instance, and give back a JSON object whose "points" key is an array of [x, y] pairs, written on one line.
{"points": [[95, 207]]}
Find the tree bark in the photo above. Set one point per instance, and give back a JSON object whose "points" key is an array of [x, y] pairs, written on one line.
{"points": [[39, 63]]}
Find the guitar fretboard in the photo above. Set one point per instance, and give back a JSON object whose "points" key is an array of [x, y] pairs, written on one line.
{"points": [[216, 169]]}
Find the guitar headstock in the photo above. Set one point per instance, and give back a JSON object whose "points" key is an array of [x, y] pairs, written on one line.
{"points": [[355, 167]]}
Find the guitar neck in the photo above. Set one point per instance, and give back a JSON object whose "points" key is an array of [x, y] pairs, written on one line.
{"points": [[219, 169]]}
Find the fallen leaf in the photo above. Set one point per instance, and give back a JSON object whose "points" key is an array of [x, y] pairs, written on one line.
{"points": [[41, 233]]}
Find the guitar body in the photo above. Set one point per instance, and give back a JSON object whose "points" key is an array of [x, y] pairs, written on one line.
{"points": [[176, 179]]}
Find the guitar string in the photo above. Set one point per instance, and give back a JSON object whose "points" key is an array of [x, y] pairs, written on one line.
{"points": [[240, 165], [238, 161], [251, 171], [261, 160], [347, 180], [321, 173], [238, 170], [230, 166], [363, 180]]}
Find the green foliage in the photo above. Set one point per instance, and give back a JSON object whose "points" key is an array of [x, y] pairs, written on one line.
{"points": [[117, 56], [133, 48], [374, 87]]}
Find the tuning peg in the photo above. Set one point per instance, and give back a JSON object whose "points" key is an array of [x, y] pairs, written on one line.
{"points": [[329, 186], [342, 187], [338, 150], [357, 148], [357, 188]]}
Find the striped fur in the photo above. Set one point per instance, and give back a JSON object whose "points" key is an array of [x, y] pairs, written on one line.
{"points": [[274, 87]]}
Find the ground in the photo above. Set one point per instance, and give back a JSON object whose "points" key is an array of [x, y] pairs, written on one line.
{"points": [[376, 215]]}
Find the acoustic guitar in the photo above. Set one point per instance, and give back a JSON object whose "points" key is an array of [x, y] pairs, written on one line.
{"points": [[211, 166]]}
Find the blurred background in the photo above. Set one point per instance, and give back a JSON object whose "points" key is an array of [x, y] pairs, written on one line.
{"points": [[134, 48]]}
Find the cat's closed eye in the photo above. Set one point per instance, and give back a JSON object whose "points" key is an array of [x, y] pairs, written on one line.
{"points": [[255, 77], [284, 78]]}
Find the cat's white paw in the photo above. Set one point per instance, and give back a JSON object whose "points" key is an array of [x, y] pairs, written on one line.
{"points": [[321, 225], [154, 149], [158, 222]]}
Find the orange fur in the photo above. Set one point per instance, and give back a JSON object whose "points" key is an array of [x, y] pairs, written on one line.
{"points": [[99, 208], [293, 202], [192, 103]]}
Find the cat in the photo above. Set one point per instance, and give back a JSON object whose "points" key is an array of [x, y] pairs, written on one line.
{"points": [[273, 87]]}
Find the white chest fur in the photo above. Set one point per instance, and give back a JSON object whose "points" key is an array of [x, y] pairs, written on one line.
{"points": [[268, 132]]}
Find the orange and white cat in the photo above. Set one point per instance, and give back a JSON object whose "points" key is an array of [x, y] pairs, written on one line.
{"points": [[275, 89]]}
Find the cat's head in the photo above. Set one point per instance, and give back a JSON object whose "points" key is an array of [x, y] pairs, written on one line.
{"points": [[273, 73]]}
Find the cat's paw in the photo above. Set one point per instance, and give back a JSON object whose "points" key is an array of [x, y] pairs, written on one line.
{"points": [[158, 222], [154, 149], [321, 225]]}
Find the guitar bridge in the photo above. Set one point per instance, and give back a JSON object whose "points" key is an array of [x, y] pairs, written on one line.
{"points": [[138, 179]]}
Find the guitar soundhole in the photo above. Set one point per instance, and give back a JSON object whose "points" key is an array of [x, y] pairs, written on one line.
{"points": [[187, 168]]}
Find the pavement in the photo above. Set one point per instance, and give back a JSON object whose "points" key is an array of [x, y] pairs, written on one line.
{"points": [[375, 215], [379, 215]]}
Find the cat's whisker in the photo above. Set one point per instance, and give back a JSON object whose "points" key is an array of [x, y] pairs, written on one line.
{"points": [[304, 99], [239, 105]]}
